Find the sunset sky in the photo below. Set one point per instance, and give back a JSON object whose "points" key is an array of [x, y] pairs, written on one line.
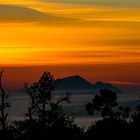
{"points": [[98, 39]]}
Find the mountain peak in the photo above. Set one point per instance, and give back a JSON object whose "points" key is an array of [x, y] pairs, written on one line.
{"points": [[73, 83], [71, 77], [99, 83]]}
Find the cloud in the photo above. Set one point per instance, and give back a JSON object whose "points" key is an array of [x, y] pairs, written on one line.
{"points": [[12, 13], [128, 42], [120, 3], [125, 83]]}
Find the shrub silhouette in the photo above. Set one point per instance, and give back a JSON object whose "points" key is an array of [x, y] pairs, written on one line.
{"points": [[123, 113], [136, 118], [109, 128]]}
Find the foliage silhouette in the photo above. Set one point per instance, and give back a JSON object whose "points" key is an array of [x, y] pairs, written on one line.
{"points": [[108, 128], [136, 118], [103, 103], [123, 113]]}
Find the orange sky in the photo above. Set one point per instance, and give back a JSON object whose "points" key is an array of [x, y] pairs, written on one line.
{"points": [[54, 34]]}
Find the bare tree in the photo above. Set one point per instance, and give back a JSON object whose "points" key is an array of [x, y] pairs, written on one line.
{"points": [[3, 104]]}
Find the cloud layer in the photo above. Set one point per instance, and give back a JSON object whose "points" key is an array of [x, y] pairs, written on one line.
{"points": [[120, 3], [12, 13]]}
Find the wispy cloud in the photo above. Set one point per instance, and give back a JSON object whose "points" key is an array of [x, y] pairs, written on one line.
{"points": [[120, 3], [125, 83], [17, 13], [12, 13]]}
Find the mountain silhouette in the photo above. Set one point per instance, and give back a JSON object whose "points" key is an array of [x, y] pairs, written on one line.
{"points": [[77, 84], [100, 85], [73, 83]]}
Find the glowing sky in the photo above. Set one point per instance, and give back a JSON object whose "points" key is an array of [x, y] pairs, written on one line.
{"points": [[71, 32]]}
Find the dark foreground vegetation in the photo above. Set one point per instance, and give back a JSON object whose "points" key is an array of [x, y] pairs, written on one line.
{"points": [[45, 118]]}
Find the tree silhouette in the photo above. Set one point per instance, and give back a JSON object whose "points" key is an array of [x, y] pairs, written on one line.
{"points": [[3, 105], [103, 103], [114, 120], [40, 94], [45, 117], [42, 102]]}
